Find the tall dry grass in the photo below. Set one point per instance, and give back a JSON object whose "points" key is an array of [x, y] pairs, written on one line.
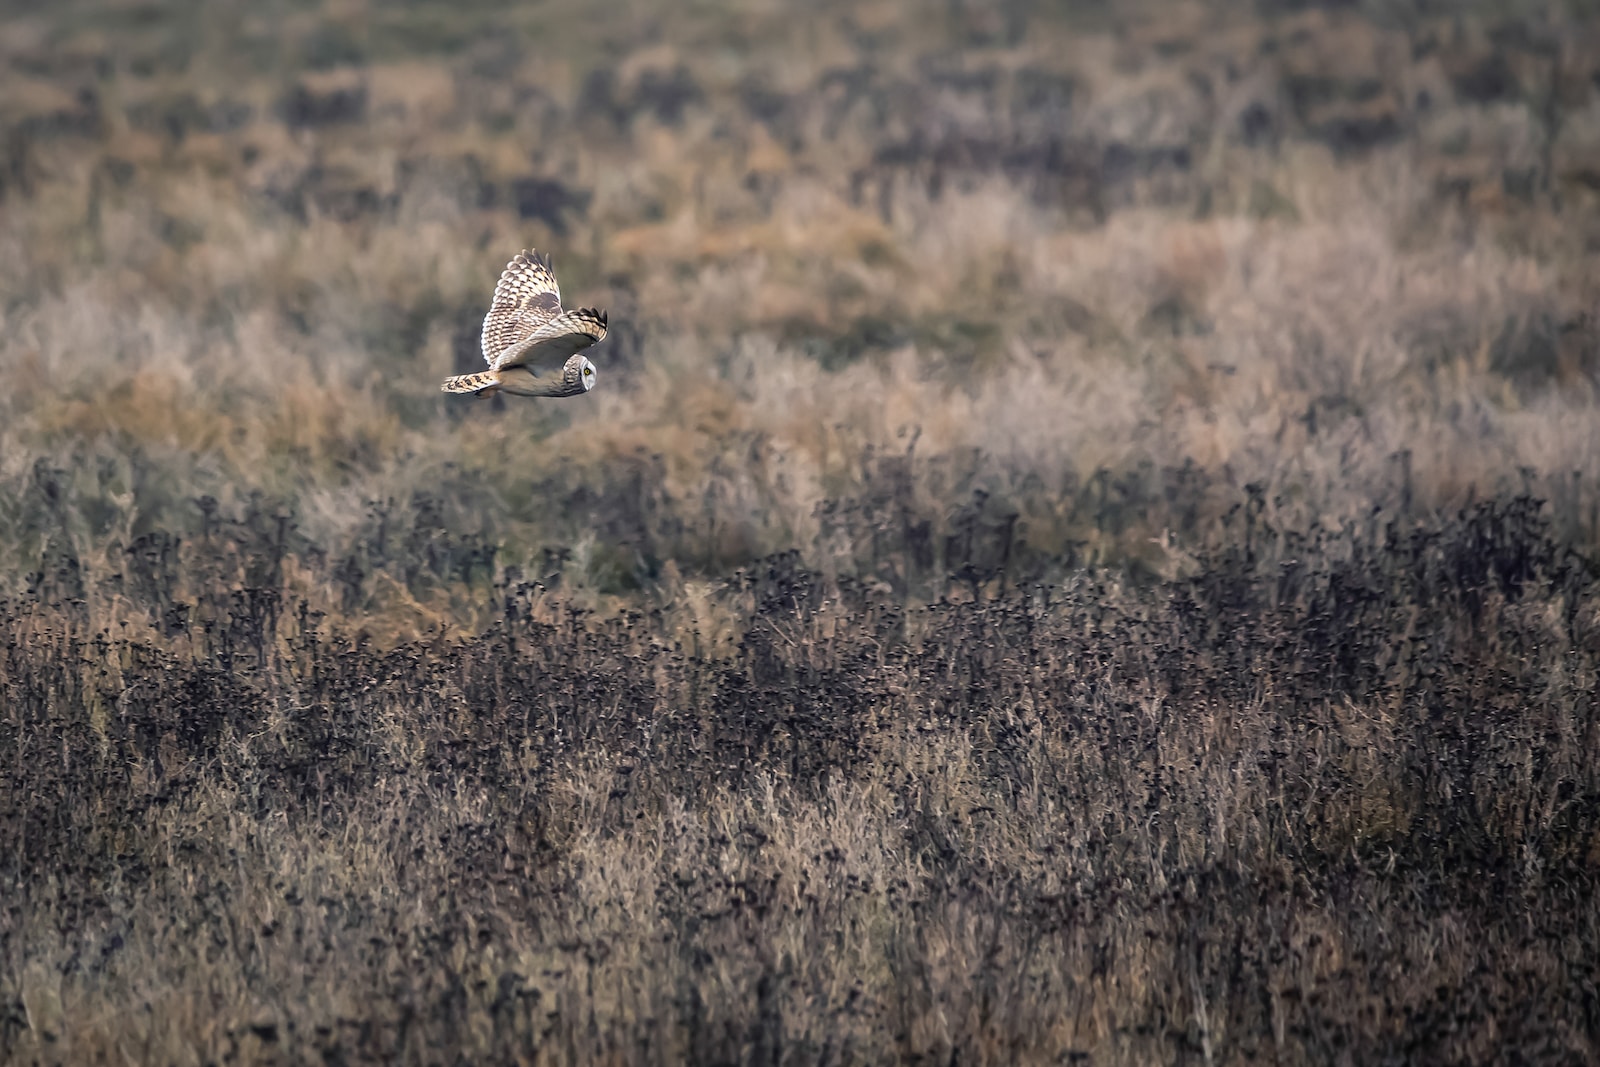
{"points": [[260, 291], [1079, 548]]}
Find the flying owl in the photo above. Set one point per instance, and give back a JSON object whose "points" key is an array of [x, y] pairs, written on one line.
{"points": [[532, 345]]}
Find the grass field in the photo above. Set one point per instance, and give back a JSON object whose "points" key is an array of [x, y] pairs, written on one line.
{"points": [[1083, 550]]}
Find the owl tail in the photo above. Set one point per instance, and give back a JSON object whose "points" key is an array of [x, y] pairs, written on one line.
{"points": [[484, 383]]}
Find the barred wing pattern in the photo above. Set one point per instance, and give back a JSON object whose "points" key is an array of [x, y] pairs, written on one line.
{"points": [[553, 341], [526, 299]]}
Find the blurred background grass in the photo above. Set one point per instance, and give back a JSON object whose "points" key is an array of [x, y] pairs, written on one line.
{"points": [[913, 306], [1075, 257]]}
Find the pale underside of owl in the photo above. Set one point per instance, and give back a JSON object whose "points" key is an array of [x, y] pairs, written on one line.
{"points": [[533, 346]]}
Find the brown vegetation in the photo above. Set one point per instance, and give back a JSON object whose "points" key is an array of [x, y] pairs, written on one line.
{"points": [[1082, 549]]}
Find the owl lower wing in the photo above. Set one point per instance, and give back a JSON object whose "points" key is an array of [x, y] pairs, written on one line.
{"points": [[551, 344]]}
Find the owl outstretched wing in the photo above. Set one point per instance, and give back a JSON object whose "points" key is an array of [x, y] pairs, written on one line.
{"points": [[526, 299], [555, 340]]}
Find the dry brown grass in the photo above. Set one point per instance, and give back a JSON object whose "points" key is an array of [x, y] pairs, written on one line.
{"points": [[913, 310]]}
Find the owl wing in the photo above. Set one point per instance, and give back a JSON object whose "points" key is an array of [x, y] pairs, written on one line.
{"points": [[526, 299], [551, 343]]}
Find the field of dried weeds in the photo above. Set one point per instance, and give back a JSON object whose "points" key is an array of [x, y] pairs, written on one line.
{"points": [[1083, 549]]}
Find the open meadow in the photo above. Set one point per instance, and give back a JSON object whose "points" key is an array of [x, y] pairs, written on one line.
{"points": [[1084, 548]]}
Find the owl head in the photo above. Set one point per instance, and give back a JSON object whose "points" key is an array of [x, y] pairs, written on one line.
{"points": [[578, 376]]}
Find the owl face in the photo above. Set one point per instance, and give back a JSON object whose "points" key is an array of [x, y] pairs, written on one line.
{"points": [[578, 376]]}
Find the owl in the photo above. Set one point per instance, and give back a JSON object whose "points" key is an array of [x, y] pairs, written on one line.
{"points": [[532, 345]]}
